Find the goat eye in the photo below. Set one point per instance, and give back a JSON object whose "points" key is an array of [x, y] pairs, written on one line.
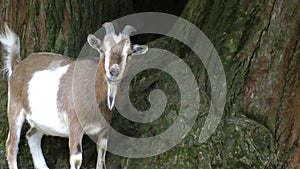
{"points": [[129, 55], [102, 51]]}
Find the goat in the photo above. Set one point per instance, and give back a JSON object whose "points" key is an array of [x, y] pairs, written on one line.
{"points": [[40, 91]]}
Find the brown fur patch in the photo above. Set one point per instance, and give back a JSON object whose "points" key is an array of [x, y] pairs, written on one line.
{"points": [[31, 132], [24, 71]]}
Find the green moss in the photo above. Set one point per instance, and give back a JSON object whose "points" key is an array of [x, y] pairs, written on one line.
{"points": [[54, 12], [3, 122], [238, 142]]}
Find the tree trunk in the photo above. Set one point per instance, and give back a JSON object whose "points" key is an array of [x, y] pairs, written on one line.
{"points": [[60, 27], [258, 43]]}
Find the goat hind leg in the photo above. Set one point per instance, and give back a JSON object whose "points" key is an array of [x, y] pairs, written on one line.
{"points": [[34, 138], [15, 119]]}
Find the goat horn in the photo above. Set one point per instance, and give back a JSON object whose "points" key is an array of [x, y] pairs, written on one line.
{"points": [[109, 28], [128, 29]]}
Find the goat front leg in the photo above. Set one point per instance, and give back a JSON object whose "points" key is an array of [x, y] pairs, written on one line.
{"points": [[101, 148], [75, 146]]}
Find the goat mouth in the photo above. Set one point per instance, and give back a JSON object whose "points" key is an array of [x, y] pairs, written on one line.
{"points": [[113, 81]]}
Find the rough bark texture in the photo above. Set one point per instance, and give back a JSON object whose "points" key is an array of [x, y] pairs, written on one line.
{"points": [[61, 27], [258, 43]]}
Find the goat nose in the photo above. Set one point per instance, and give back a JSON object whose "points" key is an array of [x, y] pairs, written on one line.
{"points": [[114, 71]]}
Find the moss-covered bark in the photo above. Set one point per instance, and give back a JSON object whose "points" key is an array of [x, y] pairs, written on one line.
{"points": [[258, 43], [61, 27]]}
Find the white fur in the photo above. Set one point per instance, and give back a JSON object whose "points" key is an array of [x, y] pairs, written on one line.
{"points": [[92, 129], [126, 49], [103, 143], [42, 96], [102, 151], [106, 62], [111, 93], [118, 38], [11, 44], [125, 55], [74, 159], [34, 143]]}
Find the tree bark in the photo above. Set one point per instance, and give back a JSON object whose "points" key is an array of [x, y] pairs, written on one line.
{"points": [[258, 43], [60, 27]]}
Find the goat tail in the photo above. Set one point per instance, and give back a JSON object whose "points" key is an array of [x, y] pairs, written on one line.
{"points": [[11, 46]]}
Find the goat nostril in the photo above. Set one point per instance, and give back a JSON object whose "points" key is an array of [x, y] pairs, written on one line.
{"points": [[114, 72]]}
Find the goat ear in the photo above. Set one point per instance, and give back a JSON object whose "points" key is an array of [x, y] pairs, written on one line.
{"points": [[139, 49], [94, 42]]}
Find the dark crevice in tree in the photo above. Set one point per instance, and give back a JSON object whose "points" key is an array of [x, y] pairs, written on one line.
{"points": [[166, 6], [262, 33]]}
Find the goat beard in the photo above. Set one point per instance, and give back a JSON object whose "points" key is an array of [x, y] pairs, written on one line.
{"points": [[111, 95]]}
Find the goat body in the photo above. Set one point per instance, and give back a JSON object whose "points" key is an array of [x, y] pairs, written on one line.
{"points": [[62, 97]]}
